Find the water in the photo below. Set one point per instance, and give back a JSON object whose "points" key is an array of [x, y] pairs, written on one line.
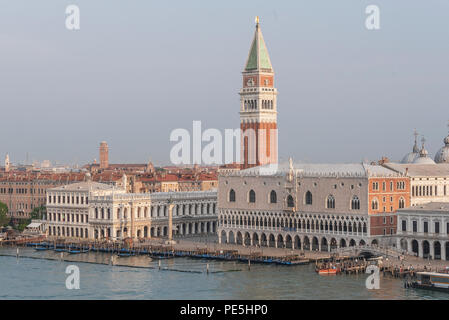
{"points": [[28, 278]]}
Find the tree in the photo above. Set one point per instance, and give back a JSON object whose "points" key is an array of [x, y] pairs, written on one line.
{"points": [[38, 213], [4, 219]]}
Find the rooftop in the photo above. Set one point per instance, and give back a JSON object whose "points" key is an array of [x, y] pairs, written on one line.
{"points": [[418, 170], [84, 186], [431, 206], [318, 170]]}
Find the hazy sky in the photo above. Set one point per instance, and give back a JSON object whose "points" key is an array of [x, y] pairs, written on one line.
{"points": [[139, 69]]}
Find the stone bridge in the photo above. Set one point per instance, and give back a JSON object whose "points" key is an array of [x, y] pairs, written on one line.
{"points": [[374, 250]]}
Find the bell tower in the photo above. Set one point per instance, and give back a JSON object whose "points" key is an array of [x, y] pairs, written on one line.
{"points": [[258, 107], [7, 163]]}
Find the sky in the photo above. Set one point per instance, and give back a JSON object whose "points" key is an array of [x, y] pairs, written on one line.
{"points": [[137, 70]]}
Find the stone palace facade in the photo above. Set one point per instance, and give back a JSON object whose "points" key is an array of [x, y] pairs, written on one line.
{"points": [[91, 210]]}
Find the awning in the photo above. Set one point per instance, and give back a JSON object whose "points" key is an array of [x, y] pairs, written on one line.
{"points": [[34, 225]]}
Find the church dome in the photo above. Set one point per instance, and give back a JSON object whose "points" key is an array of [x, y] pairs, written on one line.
{"points": [[424, 160], [423, 156], [442, 155], [412, 156]]}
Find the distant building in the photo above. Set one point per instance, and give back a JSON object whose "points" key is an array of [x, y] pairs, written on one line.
{"points": [[423, 230], [104, 155], [258, 107], [7, 163], [311, 206], [428, 182], [23, 191], [68, 208], [91, 210], [144, 215]]}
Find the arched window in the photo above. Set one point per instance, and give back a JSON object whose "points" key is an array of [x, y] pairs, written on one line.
{"points": [[355, 203], [330, 202], [252, 196], [273, 197], [308, 197], [374, 204], [232, 195], [401, 203], [290, 201]]}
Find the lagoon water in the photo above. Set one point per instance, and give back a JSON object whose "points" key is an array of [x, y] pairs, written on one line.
{"points": [[41, 275]]}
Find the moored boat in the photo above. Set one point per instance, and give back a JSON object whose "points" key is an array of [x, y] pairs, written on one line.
{"points": [[329, 271], [432, 281]]}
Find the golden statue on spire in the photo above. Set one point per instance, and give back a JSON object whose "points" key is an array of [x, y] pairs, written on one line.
{"points": [[257, 20]]}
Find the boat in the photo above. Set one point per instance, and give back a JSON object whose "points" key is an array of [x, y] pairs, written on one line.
{"points": [[329, 271], [60, 250], [123, 254], [40, 248], [431, 281], [74, 251]]}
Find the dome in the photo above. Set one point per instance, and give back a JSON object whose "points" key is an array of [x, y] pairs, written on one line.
{"points": [[424, 160], [423, 156], [410, 157], [442, 155]]}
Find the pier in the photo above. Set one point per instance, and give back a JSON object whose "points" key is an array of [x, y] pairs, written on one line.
{"points": [[156, 249]]}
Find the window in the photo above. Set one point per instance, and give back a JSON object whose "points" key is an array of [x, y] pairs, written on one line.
{"points": [[232, 195], [290, 201], [375, 185], [273, 197], [252, 196], [374, 204], [404, 225], [385, 220], [330, 202], [309, 197], [401, 203], [415, 226], [355, 203], [426, 227], [437, 227]]}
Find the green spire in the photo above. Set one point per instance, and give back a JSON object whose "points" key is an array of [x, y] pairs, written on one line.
{"points": [[258, 57]]}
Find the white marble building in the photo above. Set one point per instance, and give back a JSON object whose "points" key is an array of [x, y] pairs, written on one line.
{"points": [[428, 182], [145, 215], [68, 208], [423, 230], [90, 210]]}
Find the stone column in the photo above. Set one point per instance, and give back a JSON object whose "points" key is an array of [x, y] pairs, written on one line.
{"points": [[432, 249], [409, 246], [170, 221], [443, 250], [420, 249]]}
